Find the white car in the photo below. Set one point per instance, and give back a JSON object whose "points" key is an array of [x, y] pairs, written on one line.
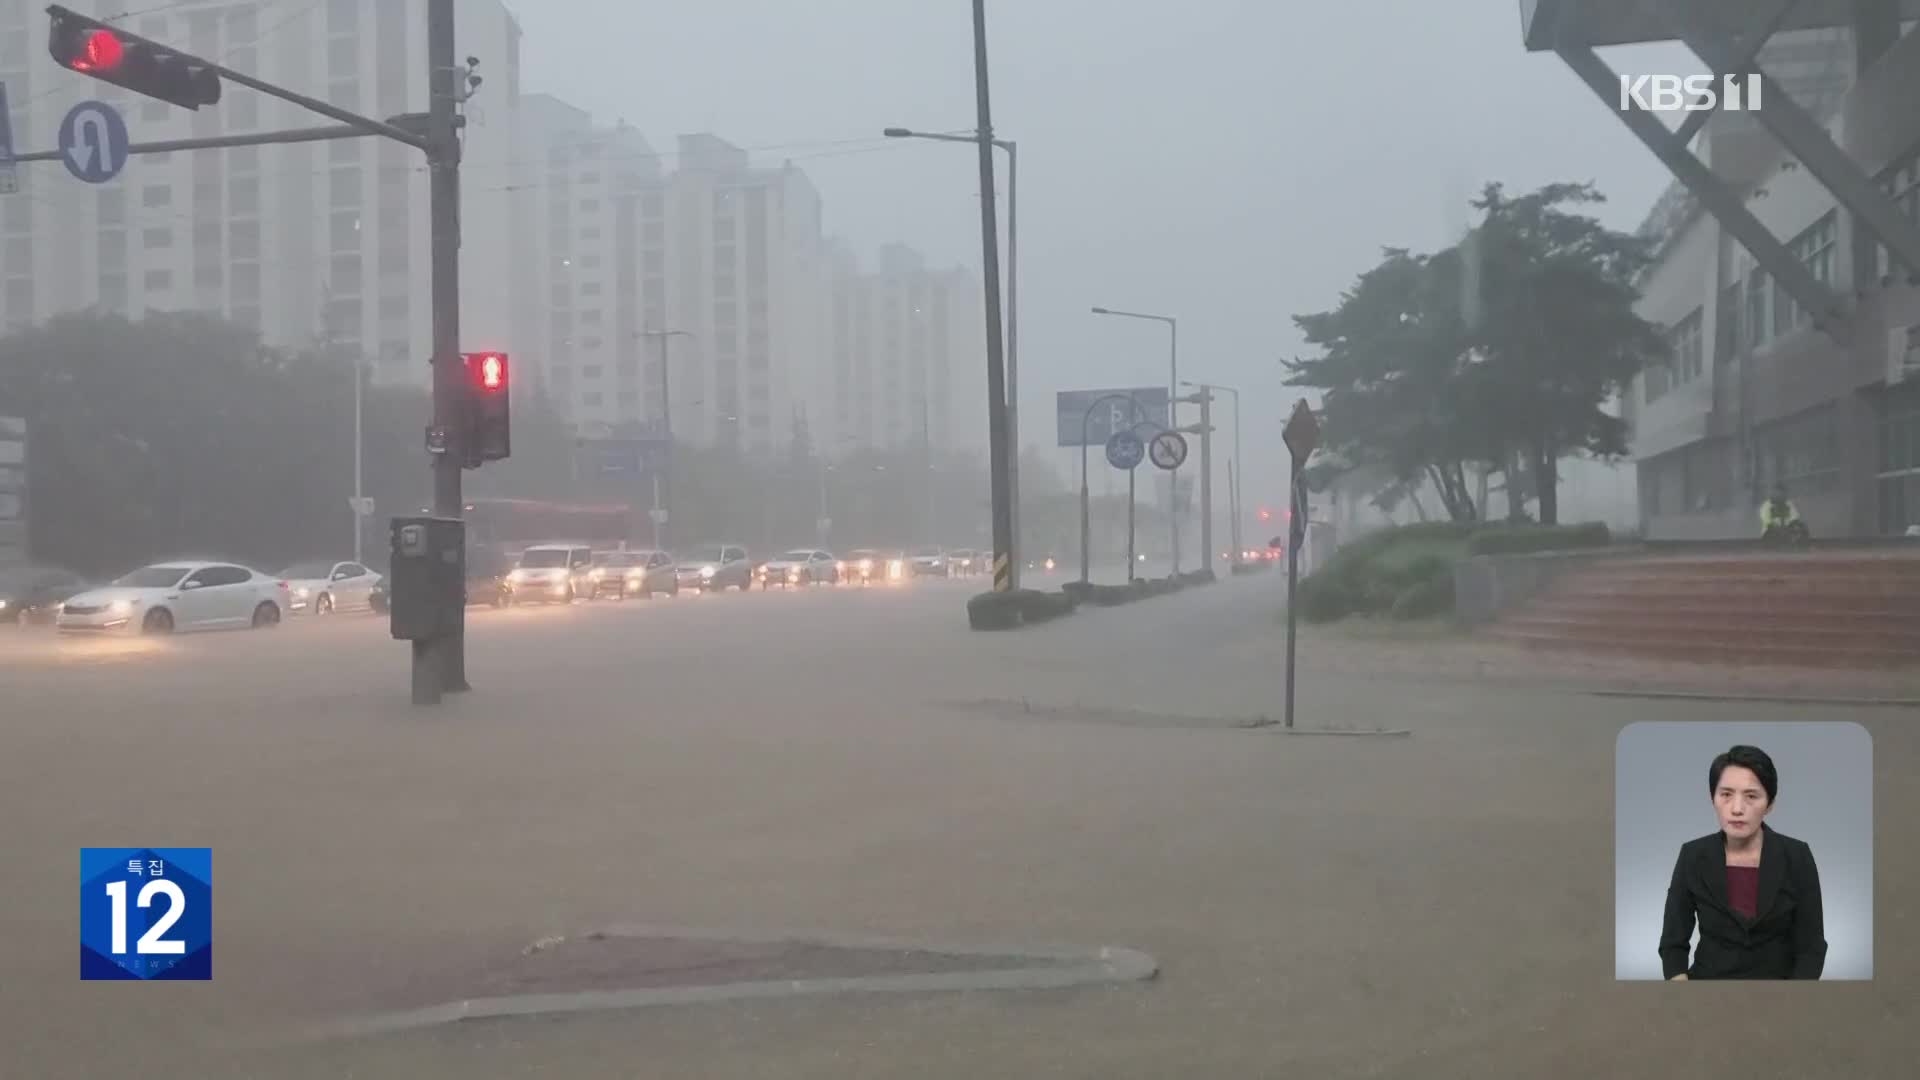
{"points": [[928, 562], [326, 587], [804, 566], [165, 597]]}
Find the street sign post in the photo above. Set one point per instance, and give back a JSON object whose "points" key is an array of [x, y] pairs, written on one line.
{"points": [[1089, 417], [1302, 436], [9, 172], [1168, 450], [93, 142]]}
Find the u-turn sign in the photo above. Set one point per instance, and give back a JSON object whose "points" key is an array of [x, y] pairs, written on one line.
{"points": [[93, 142]]}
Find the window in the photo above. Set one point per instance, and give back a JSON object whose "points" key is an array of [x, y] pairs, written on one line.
{"points": [[244, 111], [113, 207], [346, 231], [343, 57], [244, 195], [1814, 248], [156, 238], [628, 398], [590, 371], [591, 288], [1802, 452], [1758, 330], [1902, 184], [344, 274], [393, 308], [1726, 342], [158, 280], [156, 195], [113, 292], [113, 250], [246, 282], [243, 240], [343, 152], [208, 276], [589, 234], [590, 398], [588, 206], [345, 187], [246, 159], [590, 318], [344, 93]]}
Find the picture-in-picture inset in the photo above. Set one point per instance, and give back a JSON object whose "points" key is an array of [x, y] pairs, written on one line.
{"points": [[1743, 851]]}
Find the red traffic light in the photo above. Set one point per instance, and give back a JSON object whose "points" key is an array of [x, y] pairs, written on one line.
{"points": [[486, 369], [1266, 515], [91, 47], [99, 50]]}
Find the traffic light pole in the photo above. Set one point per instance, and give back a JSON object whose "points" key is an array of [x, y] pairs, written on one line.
{"points": [[449, 386]]}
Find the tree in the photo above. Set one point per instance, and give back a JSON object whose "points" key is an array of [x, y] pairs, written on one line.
{"points": [[1558, 330], [1392, 374], [1501, 352]]}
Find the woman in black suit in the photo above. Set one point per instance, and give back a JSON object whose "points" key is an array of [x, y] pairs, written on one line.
{"points": [[1754, 892]]}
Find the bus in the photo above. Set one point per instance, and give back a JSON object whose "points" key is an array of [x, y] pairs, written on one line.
{"points": [[507, 526]]}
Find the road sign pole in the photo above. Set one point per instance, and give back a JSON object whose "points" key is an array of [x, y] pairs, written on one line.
{"points": [[1130, 556], [1293, 585], [1302, 436]]}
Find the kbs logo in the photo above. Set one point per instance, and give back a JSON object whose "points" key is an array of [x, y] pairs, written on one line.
{"points": [[1691, 93]]}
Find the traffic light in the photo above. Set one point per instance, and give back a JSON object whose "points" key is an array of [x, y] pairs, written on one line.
{"points": [[94, 48], [489, 423]]}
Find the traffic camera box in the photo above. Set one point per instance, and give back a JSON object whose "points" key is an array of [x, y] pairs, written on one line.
{"points": [[426, 585]]}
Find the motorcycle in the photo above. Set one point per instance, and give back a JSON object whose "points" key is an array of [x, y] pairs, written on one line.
{"points": [[1789, 534]]}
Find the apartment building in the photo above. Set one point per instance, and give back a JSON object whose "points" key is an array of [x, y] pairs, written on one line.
{"points": [[907, 365], [315, 243], [592, 211]]}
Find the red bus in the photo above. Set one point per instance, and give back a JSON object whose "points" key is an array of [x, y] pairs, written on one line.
{"points": [[509, 525]]}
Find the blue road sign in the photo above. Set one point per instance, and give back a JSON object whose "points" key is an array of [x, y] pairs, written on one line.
{"points": [[1124, 450], [9, 172], [93, 141], [1110, 416]]}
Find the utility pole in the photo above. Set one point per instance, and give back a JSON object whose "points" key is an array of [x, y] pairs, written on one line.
{"points": [[1206, 477], [662, 466], [998, 450], [359, 519], [1013, 355]]}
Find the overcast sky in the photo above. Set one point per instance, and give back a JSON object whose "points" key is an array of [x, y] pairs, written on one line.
{"points": [[1229, 162]]}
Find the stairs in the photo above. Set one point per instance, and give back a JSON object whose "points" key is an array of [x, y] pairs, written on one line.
{"points": [[1803, 609]]}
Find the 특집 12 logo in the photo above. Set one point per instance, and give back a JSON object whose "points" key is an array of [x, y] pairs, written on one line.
{"points": [[146, 913]]}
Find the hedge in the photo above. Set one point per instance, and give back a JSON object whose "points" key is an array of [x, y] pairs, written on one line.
{"points": [[1509, 540], [1407, 572]]}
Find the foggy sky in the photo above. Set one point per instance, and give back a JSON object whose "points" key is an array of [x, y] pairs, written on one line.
{"points": [[1229, 162]]}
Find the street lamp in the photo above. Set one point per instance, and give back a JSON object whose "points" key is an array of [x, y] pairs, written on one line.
{"points": [[659, 514], [1235, 478], [1173, 420], [1013, 316]]}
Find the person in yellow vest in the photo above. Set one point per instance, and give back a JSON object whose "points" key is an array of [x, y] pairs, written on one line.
{"points": [[1778, 513]]}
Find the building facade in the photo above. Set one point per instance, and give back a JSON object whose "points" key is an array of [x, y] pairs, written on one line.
{"points": [[1756, 394], [312, 244], [907, 368]]}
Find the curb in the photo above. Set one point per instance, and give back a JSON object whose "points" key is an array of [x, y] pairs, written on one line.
{"points": [[1773, 699], [1055, 968]]}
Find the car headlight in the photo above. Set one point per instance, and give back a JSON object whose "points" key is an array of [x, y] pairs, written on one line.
{"points": [[793, 574], [597, 574], [866, 565], [838, 567], [3, 604], [120, 607], [706, 571], [300, 593]]}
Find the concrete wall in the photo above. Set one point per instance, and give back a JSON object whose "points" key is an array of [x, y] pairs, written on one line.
{"points": [[1486, 586]]}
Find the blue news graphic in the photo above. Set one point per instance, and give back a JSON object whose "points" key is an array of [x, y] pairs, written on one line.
{"points": [[146, 913]]}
